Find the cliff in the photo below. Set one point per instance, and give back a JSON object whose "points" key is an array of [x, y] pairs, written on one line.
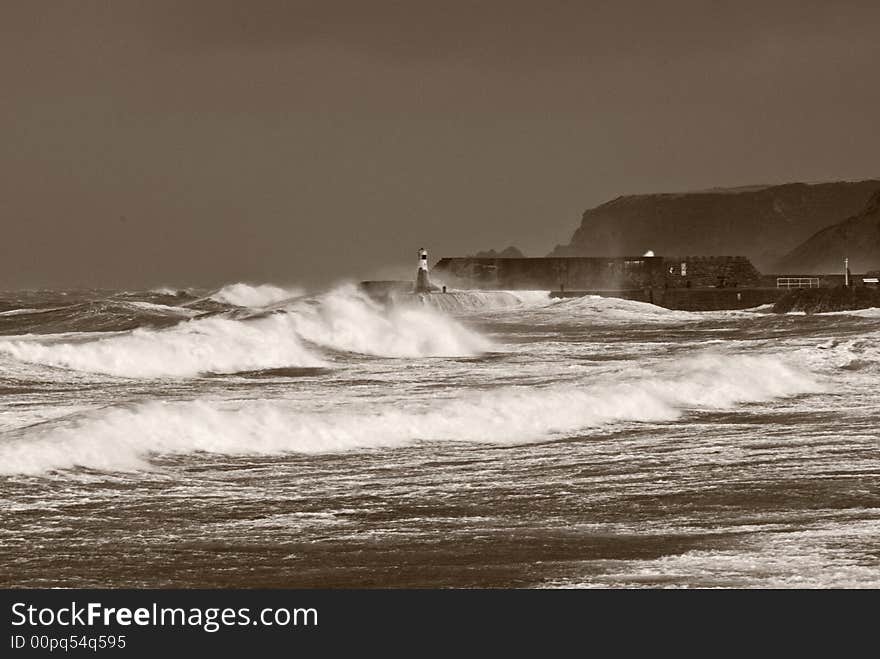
{"points": [[509, 253], [857, 237], [760, 222]]}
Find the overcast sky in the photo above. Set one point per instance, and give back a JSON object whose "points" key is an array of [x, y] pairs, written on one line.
{"points": [[186, 142]]}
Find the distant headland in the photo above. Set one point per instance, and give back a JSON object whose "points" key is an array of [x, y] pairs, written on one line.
{"points": [[793, 227], [784, 245]]}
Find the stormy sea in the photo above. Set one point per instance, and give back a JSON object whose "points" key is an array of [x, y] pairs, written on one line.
{"points": [[259, 436]]}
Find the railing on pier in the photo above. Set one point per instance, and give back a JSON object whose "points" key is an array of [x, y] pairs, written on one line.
{"points": [[797, 282]]}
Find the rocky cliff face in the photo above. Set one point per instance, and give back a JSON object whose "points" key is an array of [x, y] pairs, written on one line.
{"points": [[509, 253], [760, 222], [857, 237]]}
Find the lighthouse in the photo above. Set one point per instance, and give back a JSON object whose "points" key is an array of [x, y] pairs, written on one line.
{"points": [[423, 284]]}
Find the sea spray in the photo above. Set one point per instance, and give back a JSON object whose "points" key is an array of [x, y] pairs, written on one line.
{"points": [[293, 336], [596, 309], [347, 319], [124, 438], [456, 301], [254, 296]]}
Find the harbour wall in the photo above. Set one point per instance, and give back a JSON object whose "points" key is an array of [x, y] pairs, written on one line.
{"points": [[691, 283], [598, 273]]}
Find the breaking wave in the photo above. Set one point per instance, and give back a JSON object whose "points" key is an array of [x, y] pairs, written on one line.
{"points": [[615, 310], [857, 353], [463, 301], [342, 320], [125, 438], [245, 295], [218, 345], [166, 291], [347, 319]]}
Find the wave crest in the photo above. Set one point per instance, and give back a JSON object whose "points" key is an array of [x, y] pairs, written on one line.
{"points": [[615, 310], [347, 319], [475, 300], [246, 295], [342, 320], [125, 438]]}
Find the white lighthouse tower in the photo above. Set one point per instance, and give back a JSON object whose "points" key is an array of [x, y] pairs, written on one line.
{"points": [[423, 284]]}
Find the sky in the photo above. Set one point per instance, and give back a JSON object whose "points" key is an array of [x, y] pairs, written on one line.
{"points": [[197, 142]]}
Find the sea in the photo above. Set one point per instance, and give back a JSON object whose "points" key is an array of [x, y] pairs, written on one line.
{"points": [[268, 436]]}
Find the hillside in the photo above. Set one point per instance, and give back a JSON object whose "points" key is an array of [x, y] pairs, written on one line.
{"points": [[509, 253], [857, 237], [760, 222]]}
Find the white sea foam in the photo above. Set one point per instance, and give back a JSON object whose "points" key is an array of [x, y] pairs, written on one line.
{"points": [[476, 300], [18, 312], [164, 290], [819, 556], [150, 306], [124, 438], [843, 353], [618, 309], [873, 312], [246, 295], [342, 320], [598, 310], [347, 319], [188, 349], [540, 307], [21, 312]]}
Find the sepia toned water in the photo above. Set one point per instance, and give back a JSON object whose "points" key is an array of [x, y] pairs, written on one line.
{"points": [[257, 436]]}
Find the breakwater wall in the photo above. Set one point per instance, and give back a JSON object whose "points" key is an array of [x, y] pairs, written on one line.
{"points": [[598, 273], [689, 283]]}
